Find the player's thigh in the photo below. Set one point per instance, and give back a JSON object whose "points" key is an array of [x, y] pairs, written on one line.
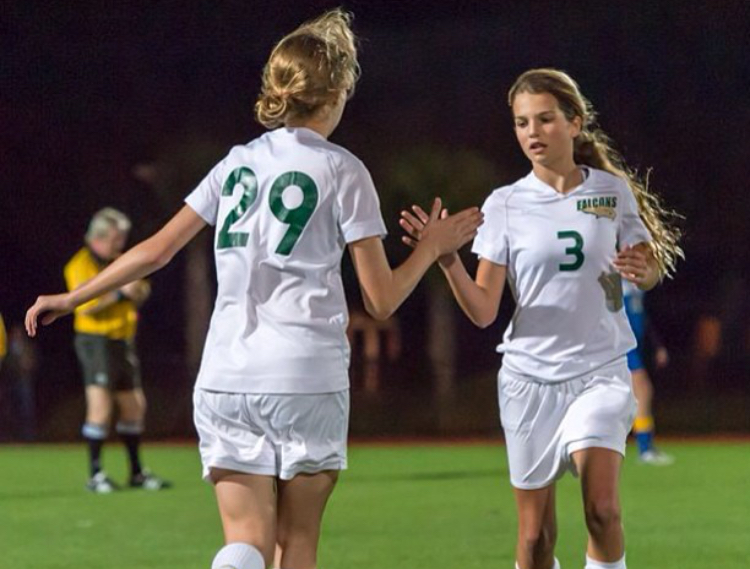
{"points": [[131, 404], [98, 404], [123, 366], [599, 470], [247, 506], [301, 502], [93, 356]]}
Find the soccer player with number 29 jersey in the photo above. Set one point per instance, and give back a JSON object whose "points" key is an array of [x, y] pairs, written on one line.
{"points": [[563, 237], [272, 398]]}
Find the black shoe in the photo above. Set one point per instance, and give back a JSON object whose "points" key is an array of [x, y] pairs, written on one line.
{"points": [[149, 481]]}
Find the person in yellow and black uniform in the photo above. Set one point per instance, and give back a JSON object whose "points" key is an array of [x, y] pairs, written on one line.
{"points": [[3, 341], [104, 342]]}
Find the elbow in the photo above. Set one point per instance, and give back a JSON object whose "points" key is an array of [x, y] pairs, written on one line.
{"points": [[155, 257], [160, 261], [379, 312], [383, 315], [379, 306], [482, 320], [479, 323], [152, 262]]}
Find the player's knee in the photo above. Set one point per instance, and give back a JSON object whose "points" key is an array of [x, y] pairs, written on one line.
{"points": [[99, 414], [134, 414], [539, 543], [298, 537], [132, 408], [602, 515]]}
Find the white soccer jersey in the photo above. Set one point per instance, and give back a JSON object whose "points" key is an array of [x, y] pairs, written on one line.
{"points": [[558, 249], [284, 205]]}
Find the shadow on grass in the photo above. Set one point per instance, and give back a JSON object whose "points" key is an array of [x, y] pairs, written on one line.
{"points": [[499, 473]]}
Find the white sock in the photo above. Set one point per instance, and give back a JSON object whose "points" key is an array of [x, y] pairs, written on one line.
{"points": [[555, 566], [594, 564], [238, 556]]}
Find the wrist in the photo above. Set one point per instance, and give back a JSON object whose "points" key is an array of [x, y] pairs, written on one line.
{"points": [[654, 277], [427, 248], [447, 261], [69, 302]]}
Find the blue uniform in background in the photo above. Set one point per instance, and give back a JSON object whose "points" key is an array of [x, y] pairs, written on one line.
{"points": [[633, 300], [643, 427]]}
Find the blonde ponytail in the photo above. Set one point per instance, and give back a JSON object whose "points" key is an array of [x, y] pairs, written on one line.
{"points": [[308, 69]]}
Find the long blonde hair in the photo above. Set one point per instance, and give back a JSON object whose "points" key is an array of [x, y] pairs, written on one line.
{"points": [[308, 69], [594, 148]]}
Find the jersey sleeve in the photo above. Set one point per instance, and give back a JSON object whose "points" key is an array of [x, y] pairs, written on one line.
{"points": [[358, 203], [491, 242], [204, 199], [631, 229]]}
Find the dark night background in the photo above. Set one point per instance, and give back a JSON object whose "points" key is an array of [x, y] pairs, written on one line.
{"points": [[94, 94]]}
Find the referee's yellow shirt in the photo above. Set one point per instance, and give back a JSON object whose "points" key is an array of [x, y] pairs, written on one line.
{"points": [[3, 339], [118, 321]]}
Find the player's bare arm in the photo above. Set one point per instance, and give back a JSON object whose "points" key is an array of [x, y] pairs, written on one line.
{"points": [[137, 291], [101, 304], [384, 289], [140, 261], [479, 298]]}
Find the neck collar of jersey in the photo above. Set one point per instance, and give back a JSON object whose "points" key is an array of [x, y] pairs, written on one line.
{"points": [[97, 259], [537, 183], [303, 132]]}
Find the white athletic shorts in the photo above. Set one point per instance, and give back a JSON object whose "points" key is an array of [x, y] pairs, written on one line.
{"points": [[273, 435], [545, 423]]}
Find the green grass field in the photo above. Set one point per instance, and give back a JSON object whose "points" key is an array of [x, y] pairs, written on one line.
{"points": [[404, 506]]}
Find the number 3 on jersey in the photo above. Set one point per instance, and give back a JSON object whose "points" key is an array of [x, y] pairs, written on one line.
{"points": [[576, 250], [296, 218]]}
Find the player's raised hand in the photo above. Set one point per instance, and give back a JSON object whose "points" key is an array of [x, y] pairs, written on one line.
{"points": [[50, 308], [413, 224], [459, 228], [447, 233]]}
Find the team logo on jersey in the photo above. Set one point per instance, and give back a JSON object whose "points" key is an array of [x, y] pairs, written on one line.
{"points": [[604, 206]]}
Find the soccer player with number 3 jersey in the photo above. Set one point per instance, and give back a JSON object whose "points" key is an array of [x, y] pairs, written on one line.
{"points": [[563, 237], [272, 398]]}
